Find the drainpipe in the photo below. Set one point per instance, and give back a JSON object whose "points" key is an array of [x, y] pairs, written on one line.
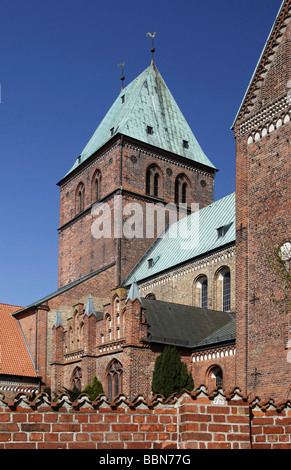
{"points": [[36, 337], [120, 214]]}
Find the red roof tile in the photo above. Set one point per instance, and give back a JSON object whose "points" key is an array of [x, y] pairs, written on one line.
{"points": [[14, 355]]}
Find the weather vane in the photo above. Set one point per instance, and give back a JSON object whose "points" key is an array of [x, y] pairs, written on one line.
{"points": [[153, 48], [122, 76]]}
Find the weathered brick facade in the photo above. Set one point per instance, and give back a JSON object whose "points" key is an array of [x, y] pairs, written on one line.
{"points": [[181, 285], [200, 420], [263, 217], [122, 168], [111, 342]]}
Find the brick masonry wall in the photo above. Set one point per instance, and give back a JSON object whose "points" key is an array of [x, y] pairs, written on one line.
{"points": [[263, 199], [181, 285], [79, 252], [187, 421], [64, 301]]}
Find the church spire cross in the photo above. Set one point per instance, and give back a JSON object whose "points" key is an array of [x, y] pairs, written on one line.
{"points": [[152, 48]]}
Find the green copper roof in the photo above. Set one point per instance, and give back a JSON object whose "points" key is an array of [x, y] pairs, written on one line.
{"points": [[147, 101], [188, 241]]}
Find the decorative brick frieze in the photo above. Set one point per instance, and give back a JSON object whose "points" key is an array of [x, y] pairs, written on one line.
{"points": [[270, 118], [11, 387], [213, 354], [219, 256]]}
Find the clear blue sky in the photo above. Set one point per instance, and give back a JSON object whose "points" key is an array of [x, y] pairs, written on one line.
{"points": [[59, 76]]}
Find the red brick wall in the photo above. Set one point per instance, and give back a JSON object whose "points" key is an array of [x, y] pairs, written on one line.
{"points": [[79, 252], [96, 285], [188, 421], [263, 218]]}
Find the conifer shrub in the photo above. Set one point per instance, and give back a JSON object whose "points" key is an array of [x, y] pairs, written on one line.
{"points": [[94, 389], [170, 373]]}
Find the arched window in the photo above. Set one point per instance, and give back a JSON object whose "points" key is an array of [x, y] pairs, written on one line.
{"points": [[116, 303], [96, 186], [108, 327], [223, 289], [177, 184], [156, 184], [226, 292], [181, 189], [184, 193], [148, 181], [114, 380], [200, 292], [77, 378], [216, 375], [151, 296], [154, 181], [80, 198], [204, 293]]}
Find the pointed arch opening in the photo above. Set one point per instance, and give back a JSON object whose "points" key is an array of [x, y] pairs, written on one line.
{"points": [[80, 198], [114, 379], [154, 181], [182, 189], [76, 380], [96, 186]]}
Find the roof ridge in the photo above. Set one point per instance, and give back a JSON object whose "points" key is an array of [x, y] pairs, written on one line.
{"points": [[272, 31], [152, 106]]}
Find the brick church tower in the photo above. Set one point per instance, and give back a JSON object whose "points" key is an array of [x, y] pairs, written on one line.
{"points": [[263, 220], [142, 153]]}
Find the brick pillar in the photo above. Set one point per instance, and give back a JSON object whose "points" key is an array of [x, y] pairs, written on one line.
{"points": [[89, 341], [41, 341], [57, 381], [135, 326], [137, 356]]}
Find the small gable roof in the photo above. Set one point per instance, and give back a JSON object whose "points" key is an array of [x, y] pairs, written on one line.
{"points": [[15, 358]]}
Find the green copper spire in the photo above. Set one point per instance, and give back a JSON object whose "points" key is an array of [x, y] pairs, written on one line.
{"points": [[90, 307], [133, 292], [58, 320], [146, 111]]}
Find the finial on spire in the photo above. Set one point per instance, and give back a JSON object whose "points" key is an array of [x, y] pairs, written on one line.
{"points": [[152, 48], [122, 76]]}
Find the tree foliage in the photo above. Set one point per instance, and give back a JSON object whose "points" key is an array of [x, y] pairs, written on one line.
{"points": [[170, 374], [94, 389]]}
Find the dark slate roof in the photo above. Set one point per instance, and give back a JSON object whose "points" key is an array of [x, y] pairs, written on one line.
{"points": [[187, 326]]}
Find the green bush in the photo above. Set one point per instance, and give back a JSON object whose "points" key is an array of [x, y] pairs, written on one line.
{"points": [[94, 389], [170, 374]]}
